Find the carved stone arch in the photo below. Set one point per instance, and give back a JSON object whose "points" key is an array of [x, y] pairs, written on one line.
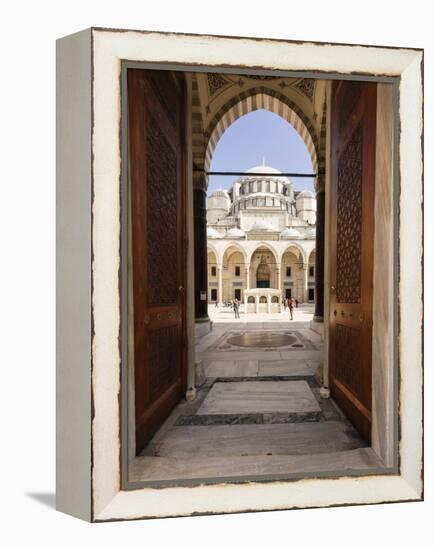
{"points": [[303, 253], [261, 98], [211, 248], [320, 180], [237, 247], [271, 248], [309, 256], [199, 140]]}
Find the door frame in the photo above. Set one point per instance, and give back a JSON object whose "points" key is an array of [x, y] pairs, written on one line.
{"points": [[109, 498], [388, 423]]}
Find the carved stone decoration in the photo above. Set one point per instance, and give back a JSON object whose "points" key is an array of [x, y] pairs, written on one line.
{"points": [[347, 361], [163, 359], [349, 221], [262, 77], [162, 219], [215, 82], [306, 86]]}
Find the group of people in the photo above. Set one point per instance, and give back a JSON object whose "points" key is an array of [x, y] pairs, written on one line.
{"points": [[290, 303]]}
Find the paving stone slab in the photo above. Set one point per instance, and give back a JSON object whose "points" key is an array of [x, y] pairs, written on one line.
{"points": [[234, 369], [285, 367], [151, 468], [256, 440], [259, 397]]}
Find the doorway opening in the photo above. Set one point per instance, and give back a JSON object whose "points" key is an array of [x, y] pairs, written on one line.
{"points": [[263, 365]]}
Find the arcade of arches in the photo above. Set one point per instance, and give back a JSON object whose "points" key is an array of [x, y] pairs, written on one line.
{"points": [[232, 270]]}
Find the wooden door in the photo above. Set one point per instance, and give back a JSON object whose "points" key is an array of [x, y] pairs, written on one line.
{"points": [[158, 244], [353, 132]]}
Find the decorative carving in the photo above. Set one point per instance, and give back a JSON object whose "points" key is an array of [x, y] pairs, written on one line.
{"points": [[347, 361], [349, 221], [306, 86], [215, 82], [162, 218], [262, 77], [163, 359]]}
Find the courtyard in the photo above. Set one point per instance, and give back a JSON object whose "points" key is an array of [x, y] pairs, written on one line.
{"points": [[258, 409]]}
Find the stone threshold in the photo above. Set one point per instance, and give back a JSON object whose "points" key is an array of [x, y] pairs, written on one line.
{"points": [[250, 418]]}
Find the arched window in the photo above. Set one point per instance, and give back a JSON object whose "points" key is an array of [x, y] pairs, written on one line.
{"points": [[251, 300], [274, 299], [263, 300]]}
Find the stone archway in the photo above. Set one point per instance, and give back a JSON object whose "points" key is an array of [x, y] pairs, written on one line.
{"points": [[264, 268], [261, 98]]}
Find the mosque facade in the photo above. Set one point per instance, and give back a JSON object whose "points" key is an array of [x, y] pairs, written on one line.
{"points": [[261, 241]]}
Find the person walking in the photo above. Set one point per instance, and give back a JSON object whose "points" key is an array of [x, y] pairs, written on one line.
{"points": [[284, 303], [236, 309], [291, 308]]}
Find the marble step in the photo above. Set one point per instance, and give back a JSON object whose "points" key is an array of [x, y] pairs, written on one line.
{"points": [[150, 468], [259, 397], [257, 440]]}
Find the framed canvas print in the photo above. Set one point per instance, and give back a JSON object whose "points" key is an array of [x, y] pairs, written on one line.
{"points": [[239, 231]]}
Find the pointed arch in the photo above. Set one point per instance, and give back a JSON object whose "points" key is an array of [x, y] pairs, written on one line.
{"points": [[261, 98], [297, 247], [271, 248], [213, 249], [237, 247]]}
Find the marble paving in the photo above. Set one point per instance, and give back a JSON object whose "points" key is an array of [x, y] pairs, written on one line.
{"points": [[259, 397], [257, 440], [259, 412]]}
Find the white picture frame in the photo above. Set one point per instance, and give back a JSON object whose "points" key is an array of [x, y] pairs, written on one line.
{"points": [[89, 356]]}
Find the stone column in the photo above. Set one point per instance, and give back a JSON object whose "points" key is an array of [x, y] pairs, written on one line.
{"points": [[219, 285], [319, 251], [279, 278], [246, 276], [200, 252], [305, 281], [256, 304], [268, 303]]}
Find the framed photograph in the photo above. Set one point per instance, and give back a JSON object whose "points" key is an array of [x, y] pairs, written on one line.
{"points": [[239, 271]]}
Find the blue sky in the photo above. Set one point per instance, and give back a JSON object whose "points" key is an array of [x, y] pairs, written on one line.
{"points": [[254, 136]]}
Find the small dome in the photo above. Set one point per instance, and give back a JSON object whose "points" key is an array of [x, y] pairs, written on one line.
{"points": [[261, 225], [235, 233], [220, 193], [290, 233], [305, 195], [212, 233]]}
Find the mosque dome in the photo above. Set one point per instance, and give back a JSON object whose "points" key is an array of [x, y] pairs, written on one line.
{"points": [[290, 233], [235, 233], [264, 170], [212, 233], [261, 225], [305, 195], [272, 174], [220, 193]]}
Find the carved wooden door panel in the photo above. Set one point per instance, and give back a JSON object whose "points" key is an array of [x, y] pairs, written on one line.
{"points": [[353, 132], [158, 244]]}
